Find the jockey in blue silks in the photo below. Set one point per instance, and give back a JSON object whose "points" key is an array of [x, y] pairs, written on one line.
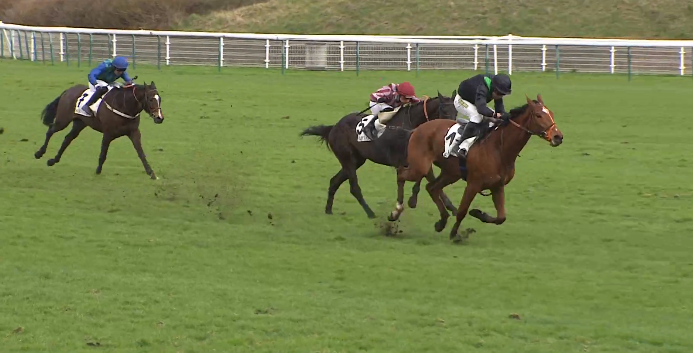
{"points": [[103, 75]]}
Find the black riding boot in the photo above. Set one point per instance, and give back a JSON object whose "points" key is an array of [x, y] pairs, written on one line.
{"points": [[98, 94], [470, 130]]}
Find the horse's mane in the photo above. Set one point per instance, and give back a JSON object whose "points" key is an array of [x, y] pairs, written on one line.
{"points": [[516, 112]]}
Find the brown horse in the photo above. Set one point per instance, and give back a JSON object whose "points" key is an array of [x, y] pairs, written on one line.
{"points": [[490, 163], [118, 115], [342, 140]]}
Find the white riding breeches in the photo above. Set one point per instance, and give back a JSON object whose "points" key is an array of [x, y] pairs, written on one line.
{"points": [[468, 110], [377, 107], [99, 83]]}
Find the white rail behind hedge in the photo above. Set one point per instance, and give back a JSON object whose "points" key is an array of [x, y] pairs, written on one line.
{"points": [[348, 52]]}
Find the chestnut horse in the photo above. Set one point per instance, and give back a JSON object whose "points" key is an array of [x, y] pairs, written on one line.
{"points": [[490, 162]]}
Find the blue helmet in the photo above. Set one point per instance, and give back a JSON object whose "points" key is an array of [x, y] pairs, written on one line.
{"points": [[120, 62]]}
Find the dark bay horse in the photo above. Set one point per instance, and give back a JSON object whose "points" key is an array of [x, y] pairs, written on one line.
{"points": [[118, 115], [342, 141], [490, 163]]}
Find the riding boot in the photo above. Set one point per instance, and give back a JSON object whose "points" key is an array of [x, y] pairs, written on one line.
{"points": [[98, 94], [470, 130]]}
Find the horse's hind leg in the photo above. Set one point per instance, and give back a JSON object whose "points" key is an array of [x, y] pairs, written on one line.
{"points": [[498, 195], [356, 162], [57, 126], [77, 127], [43, 148], [413, 199], [335, 183], [435, 189], [469, 193]]}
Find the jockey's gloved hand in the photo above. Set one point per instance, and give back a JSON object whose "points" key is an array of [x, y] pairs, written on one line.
{"points": [[505, 117], [380, 100]]}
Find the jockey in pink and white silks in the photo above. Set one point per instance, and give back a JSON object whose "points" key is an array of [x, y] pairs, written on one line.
{"points": [[385, 101]]}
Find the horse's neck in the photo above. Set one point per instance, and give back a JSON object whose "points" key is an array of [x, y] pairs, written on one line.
{"points": [[418, 113], [131, 103], [511, 139]]}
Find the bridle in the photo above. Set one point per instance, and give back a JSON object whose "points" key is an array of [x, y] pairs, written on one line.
{"points": [[543, 134], [145, 106]]}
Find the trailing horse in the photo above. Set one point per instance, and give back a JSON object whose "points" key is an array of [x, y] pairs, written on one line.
{"points": [[345, 140], [490, 162], [118, 114]]}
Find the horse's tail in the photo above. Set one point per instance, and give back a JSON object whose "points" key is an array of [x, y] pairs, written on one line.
{"points": [[323, 131], [50, 111]]}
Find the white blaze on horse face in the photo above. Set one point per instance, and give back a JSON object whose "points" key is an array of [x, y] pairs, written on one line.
{"points": [[548, 112], [158, 101]]}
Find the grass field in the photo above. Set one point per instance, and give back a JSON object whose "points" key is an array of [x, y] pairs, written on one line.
{"points": [[583, 18], [595, 255]]}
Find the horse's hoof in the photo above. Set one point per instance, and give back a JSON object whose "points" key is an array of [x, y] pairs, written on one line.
{"points": [[391, 217], [153, 176], [477, 213], [38, 155], [412, 202], [440, 225], [372, 216], [328, 212], [98, 171], [51, 162]]}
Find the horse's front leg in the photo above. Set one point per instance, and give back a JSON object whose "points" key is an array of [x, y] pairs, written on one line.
{"points": [[136, 138], [470, 192], [399, 208], [498, 195]]}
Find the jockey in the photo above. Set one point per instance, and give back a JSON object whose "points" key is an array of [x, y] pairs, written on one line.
{"points": [[384, 101], [472, 96], [103, 75]]}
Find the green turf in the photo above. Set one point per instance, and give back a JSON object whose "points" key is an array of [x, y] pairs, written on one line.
{"points": [[595, 255], [548, 18]]}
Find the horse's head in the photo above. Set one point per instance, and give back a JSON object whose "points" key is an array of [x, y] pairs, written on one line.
{"points": [[152, 103], [541, 122], [446, 106]]}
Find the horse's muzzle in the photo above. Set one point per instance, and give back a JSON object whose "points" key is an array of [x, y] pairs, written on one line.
{"points": [[556, 140]]}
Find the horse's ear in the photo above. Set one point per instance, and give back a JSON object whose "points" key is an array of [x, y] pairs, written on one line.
{"points": [[529, 101], [454, 93], [539, 99], [438, 93], [152, 85]]}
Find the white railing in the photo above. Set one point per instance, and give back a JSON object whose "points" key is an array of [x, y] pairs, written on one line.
{"points": [[348, 52]]}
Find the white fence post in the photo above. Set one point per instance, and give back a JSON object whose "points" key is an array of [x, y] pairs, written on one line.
{"points": [[286, 46], [62, 47], [495, 59], [682, 67], [115, 52], [341, 55], [408, 56], [476, 57], [510, 55], [613, 59], [168, 50], [33, 47], [221, 51], [543, 58], [267, 52]]}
